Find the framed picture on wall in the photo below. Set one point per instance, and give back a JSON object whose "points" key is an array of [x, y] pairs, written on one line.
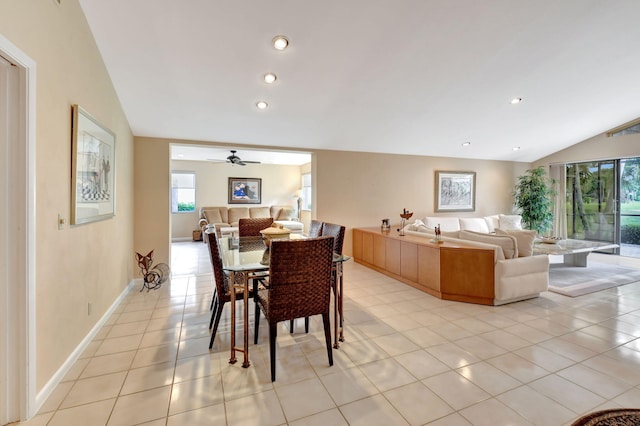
{"points": [[245, 190], [93, 165], [455, 191]]}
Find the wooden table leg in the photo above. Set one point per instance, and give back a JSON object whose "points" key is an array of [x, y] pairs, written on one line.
{"points": [[232, 278], [341, 302], [245, 291]]}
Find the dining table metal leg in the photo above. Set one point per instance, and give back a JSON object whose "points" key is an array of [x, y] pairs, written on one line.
{"points": [[245, 293], [232, 358], [341, 302]]}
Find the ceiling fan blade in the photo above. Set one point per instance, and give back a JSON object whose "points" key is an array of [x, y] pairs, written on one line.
{"points": [[251, 162]]}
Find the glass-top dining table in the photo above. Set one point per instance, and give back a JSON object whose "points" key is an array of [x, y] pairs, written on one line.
{"points": [[249, 257]]}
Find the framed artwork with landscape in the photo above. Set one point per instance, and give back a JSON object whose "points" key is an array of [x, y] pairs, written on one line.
{"points": [[93, 154], [245, 190], [455, 191]]}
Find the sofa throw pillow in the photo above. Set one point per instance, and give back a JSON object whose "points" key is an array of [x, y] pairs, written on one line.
{"points": [[237, 213], [510, 221], [493, 222], [286, 213], [525, 238], [447, 224], [213, 216]]}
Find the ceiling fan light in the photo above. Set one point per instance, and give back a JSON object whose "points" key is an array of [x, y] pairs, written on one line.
{"points": [[466, 143], [515, 148], [280, 42], [262, 105], [516, 101], [270, 77]]}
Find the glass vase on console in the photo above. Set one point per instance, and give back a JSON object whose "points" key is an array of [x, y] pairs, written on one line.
{"points": [[405, 215]]}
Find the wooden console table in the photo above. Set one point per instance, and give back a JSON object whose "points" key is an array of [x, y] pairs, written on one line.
{"points": [[446, 270]]}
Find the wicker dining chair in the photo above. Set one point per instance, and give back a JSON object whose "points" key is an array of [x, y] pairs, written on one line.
{"points": [[336, 231], [223, 286], [315, 228], [252, 227], [299, 286]]}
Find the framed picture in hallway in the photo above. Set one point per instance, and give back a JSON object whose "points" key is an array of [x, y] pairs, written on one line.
{"points": [[245, 190], [455, 191], [93, 165]]}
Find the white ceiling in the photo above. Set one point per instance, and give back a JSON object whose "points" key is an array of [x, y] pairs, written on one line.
{"points": [[402, 76], [219, 155]]}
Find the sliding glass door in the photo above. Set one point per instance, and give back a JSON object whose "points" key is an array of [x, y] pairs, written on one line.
{"points": [[592, 201]]}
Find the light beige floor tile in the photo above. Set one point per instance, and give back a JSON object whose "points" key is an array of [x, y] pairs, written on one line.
{"points": [[160, 337], [239, 382], [474, 325], [395, 344], [452, 355], [372, 411], [424, 337], [535, 407], [76, 369], [455, 390], [528, 333], [480, 347], [145, 378], [628, 399], [627, 370], [106, 364], [348, 385], [96, 413], [196, 393], [141, 407], [505, 340], [411, 401], [304, 398], [38, 419], [602, 384], [517, 367], [331, 417], [387, 374], [211, 415], [196, 367], [195, 347], [545, 358], [574, 397], [364, 351], [126, 317], [568, 349], [450, 331], [57, 396], [119, 344], [488, 378], [454, 419], [262, 408], [155, 355], [320, 361], [91, 349], [94, 389], [492, 412], [421, 364]]}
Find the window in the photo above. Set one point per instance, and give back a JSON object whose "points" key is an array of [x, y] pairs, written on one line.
{"points": [[306, 191], [626, 129], [183, 192]]}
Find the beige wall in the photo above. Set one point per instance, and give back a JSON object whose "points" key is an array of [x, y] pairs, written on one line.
{"points": [[89, 263], [599, 147], [279, 183], [359, 189]]}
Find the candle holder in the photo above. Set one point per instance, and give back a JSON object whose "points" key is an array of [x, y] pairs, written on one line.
{"points": [[405, 215]]}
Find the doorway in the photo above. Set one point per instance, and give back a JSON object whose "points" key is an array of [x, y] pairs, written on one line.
{"points": [[17, 238]]}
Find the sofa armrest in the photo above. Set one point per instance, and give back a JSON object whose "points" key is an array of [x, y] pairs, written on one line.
{"points": [[521, 277], [202, 224]]}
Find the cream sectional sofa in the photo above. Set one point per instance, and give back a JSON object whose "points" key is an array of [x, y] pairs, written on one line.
{"points": [[517, 274], [220, 217]]}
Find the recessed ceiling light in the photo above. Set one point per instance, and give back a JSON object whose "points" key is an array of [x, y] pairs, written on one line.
{"points": [[270, 77], [262, 105], [466, 144], [516, 148], [516, 101], [280, 42]]}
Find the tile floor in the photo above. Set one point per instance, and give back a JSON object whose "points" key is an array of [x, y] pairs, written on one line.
{"points": [[409, 358]]}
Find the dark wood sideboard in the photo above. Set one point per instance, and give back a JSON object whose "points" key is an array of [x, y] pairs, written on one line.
{"points": [[446, 270]]}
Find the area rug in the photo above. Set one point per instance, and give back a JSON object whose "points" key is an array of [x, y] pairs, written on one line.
{"points": [[614, 417], [575, 280]]}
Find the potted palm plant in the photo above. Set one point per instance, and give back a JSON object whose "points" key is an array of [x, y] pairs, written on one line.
{"points": [[533, 196]]}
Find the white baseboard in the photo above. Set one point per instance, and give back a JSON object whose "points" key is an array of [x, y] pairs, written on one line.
{"points": [[47, 389], [180, 239]]}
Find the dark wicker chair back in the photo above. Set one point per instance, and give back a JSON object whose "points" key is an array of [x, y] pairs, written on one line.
{"points": [[337, 232], [252, 227], [299, 286], [315, 228], [222, 294]]}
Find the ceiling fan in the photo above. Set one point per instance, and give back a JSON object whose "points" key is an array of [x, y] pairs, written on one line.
{"points": [[234, 159]]}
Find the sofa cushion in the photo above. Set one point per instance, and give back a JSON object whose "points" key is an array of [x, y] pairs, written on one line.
{"points": [[259, 212], [508, 243], [510, 221], [237, 213], [476, 224], [286, 213], [447, 224], [493, 222], [212, 216], [524, 237]]}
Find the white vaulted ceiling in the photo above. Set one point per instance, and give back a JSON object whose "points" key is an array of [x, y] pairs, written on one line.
{"points": [[419, 77]]}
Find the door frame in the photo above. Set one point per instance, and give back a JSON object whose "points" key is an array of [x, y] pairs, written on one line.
{"points": [[18, 307]]}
